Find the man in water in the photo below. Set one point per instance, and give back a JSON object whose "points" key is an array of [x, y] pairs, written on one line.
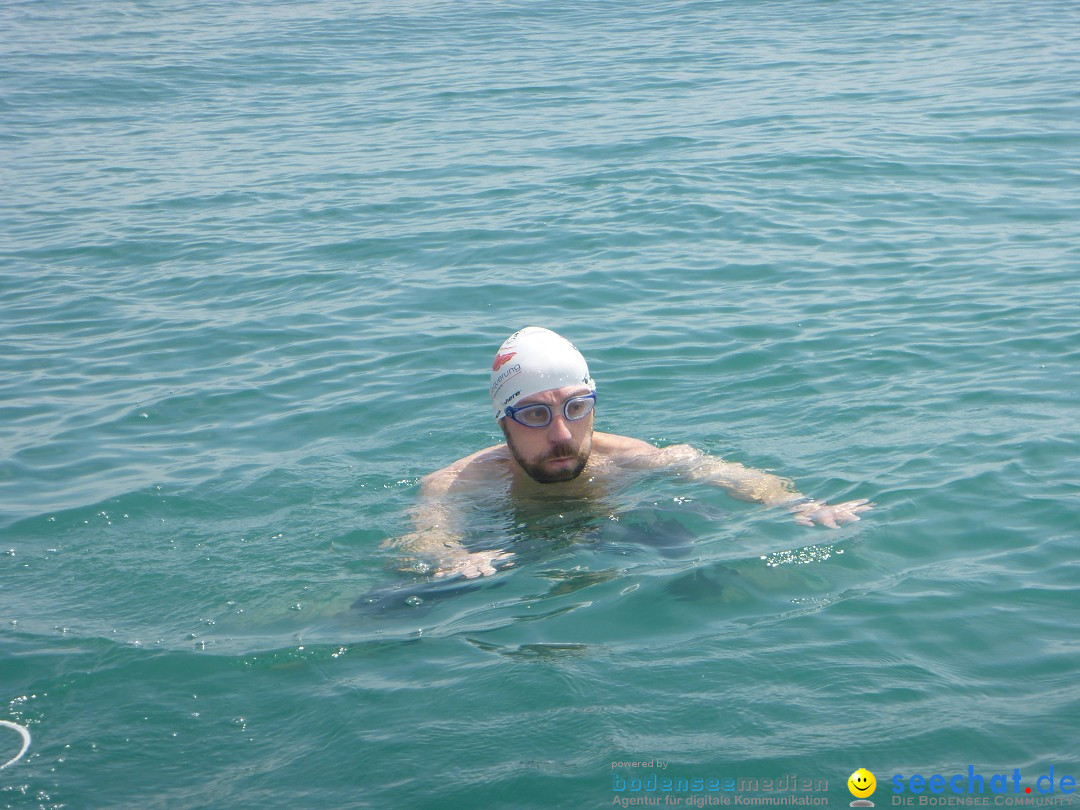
{"points": [[543, 398]]}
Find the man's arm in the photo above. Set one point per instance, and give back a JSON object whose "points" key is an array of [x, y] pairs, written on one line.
{"points": [[740, 481], [437, 533]]}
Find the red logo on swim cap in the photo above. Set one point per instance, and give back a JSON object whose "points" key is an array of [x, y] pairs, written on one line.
{"points": [[501, 360]]}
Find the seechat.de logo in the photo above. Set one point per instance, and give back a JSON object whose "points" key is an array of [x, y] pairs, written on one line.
{"points": [[1006, 789], [862, 785]]}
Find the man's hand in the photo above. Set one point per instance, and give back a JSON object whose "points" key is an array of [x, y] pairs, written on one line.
{"points": [[810, 512], [443, 551], [471, 564]]}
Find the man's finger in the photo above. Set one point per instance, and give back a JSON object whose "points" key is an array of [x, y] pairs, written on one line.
{"points": [[826, 518]]}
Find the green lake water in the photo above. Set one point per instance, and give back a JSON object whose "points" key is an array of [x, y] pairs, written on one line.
{"points": [[255, 260]]}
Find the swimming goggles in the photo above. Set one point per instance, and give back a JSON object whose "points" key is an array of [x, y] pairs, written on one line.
{"points": [[539, 415]]}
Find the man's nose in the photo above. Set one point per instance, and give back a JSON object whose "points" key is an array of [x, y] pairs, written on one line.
{"points": [[559, 430]]}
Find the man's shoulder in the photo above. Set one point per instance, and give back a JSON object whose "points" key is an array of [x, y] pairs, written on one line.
{"points": [[481, 464], [630, 453], [616, 446]]}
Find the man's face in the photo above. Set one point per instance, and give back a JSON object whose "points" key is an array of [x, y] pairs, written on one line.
{"points": [[557, 452]]}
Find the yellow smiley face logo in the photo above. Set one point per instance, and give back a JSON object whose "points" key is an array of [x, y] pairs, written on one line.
{"points": [[861, 783]]}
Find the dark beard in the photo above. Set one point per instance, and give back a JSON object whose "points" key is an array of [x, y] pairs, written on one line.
{"points": [[537, 473]]}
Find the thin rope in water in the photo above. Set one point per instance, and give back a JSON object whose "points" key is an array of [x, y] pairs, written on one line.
{"points": [[25, 732]]}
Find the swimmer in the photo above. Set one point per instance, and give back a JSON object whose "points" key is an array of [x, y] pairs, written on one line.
{"points": [[544, 398]]}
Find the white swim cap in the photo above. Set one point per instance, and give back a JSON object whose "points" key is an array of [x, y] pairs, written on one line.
{"points": [[532, 360]]}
